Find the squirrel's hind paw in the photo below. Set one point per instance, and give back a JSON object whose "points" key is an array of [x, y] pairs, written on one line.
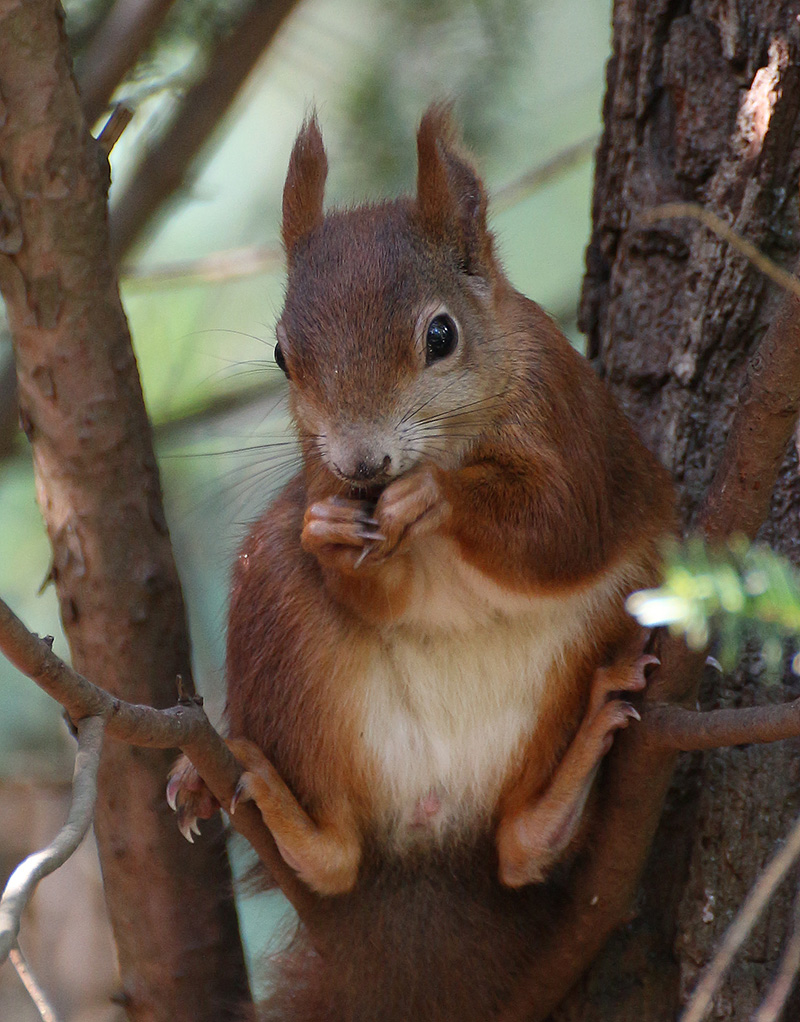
{"points": [[188, 796]]}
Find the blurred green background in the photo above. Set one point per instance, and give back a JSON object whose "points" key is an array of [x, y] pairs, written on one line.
{"points": [[527, 82]]}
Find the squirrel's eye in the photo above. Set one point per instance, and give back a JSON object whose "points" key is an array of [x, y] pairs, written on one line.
{"points": [[280, 361], [441, 339]]}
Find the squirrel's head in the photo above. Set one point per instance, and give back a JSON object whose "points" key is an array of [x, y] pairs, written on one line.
{"points": [[389, 335]]}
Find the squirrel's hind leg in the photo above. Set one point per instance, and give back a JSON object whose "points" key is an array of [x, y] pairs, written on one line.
{"points": [[531, 840], [326, 857]]}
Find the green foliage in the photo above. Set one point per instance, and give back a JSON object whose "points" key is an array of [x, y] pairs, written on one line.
{"points": [[734, 593]]}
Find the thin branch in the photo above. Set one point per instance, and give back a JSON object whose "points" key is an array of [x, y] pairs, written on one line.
{"points": [[537, 177], [125, 33], [782, 985], [694, 211], [31, 984], [738, 498], [675, 727], [738, 931], [218, 405], [164, 169], [184, 726], [112, 130], [209, 269], [25, 878], [252, 259]]}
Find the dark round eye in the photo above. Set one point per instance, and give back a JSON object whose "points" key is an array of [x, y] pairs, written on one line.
{"points": [[441, 339], [280, 361]]}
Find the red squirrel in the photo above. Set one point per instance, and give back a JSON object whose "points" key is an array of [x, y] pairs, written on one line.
{"points": [[427, 639]]}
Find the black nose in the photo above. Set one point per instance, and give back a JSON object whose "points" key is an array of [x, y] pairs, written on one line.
{"points": [[369, 469]]}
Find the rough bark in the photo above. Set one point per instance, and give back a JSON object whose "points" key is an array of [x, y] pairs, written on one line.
{"points": [[702, 105], [81, 407]]}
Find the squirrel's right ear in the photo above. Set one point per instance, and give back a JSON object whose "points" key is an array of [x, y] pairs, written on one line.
{"points": [[304, 190], [451, 198]]}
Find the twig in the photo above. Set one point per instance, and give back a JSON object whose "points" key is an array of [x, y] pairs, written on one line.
{"points": [[114, 126], [126, 32], [738, 931], [213, 268], [252, 259], [675, 727], [694, 211], [535, 178], [31, 984], [781, 987], [164, 168], [217, 405], [26, 876]]}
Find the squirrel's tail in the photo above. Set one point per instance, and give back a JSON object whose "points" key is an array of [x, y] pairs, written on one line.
{"points": [[428, 939]]}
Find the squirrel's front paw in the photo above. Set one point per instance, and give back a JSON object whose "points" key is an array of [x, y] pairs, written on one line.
{"points": [[340, 532], [188, 796], [412, 506]]}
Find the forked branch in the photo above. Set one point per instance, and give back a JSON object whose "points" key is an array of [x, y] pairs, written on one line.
{"points": [[25, 878], [184, 726]]}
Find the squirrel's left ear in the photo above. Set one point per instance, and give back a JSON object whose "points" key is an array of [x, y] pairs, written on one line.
{"points": [[451, 198], [304, 190]]}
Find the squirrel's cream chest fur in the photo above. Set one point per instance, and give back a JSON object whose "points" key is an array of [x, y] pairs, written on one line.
{"points": [[452, 691]]}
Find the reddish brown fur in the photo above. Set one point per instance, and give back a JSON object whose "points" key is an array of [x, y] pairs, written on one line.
{"points": [[542, 487]]}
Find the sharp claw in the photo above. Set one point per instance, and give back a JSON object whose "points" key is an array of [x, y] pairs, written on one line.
{"points": [[648, 658], [238, 791], [173, 787], [631, 711], [377, 537], [360, 559], [193, 827], [185, 828]]}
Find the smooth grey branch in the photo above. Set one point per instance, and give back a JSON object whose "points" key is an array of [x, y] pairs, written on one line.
{"points": [[26, 876], [31, 984]]}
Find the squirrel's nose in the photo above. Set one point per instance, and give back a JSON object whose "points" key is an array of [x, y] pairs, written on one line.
{"points": [[369, 469]]}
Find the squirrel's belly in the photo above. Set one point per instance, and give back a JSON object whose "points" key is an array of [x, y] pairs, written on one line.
{"points": [[445, 720], [447, 711]]}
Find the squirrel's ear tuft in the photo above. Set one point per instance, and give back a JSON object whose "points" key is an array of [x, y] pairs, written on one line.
{"points": [[451, 198], [304, 190]]}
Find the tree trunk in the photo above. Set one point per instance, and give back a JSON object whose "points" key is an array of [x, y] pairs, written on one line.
{"points": [[81, 407], [702, 105]]}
